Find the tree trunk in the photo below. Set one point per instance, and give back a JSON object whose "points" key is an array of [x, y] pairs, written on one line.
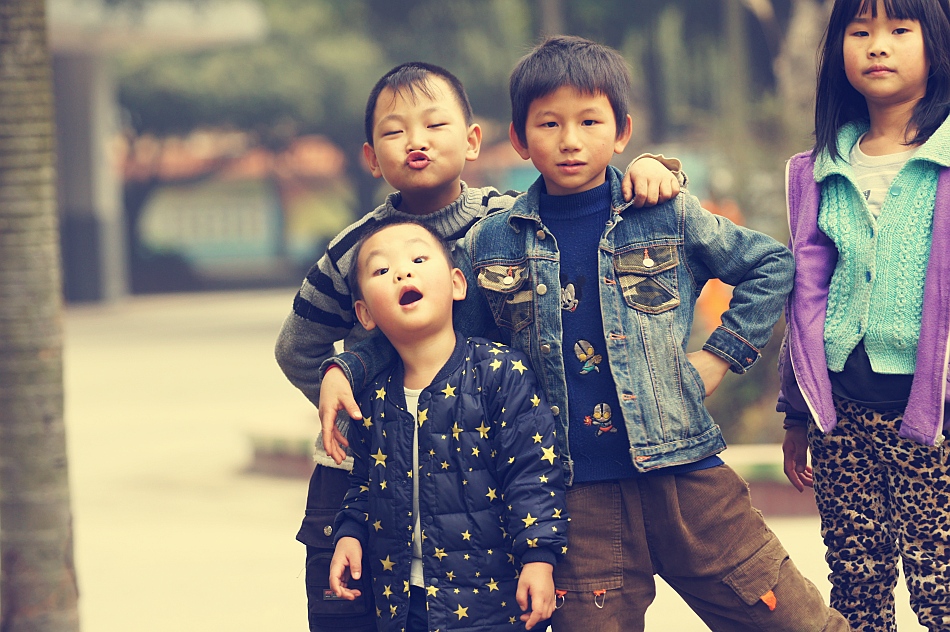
{"points": [[38, 590], [796, 68]]}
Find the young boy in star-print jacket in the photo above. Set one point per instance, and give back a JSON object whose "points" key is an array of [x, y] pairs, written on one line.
{"points": [[456, 499]]}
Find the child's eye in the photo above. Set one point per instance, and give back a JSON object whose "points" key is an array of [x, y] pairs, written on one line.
{"points": [[549, 124], [589, 122], [391, 132], [859, 34], [434, 125], [420, 259], [901, 31], [380, 271]]}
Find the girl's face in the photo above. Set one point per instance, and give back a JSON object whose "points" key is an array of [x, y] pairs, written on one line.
{"points": [[885, 60]]}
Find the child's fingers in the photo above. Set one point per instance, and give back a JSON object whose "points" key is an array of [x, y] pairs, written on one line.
{"points": [[521, 596], [531, 619]]}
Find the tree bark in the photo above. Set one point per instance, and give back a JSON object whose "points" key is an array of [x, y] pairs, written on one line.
{"points": [[38, 588]]}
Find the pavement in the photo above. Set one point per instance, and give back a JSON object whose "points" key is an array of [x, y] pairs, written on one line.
{"points": [[166, 398]]}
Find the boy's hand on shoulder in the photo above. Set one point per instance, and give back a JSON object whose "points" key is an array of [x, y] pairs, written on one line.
{"points": [[336, 395], [648, 182], [711, 368], [347, 563], [536, 587]]}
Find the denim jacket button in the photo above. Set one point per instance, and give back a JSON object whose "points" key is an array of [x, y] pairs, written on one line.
{"points": [[555, 411], [545, 348], [542, 289], [541, 234], [508, 280]]}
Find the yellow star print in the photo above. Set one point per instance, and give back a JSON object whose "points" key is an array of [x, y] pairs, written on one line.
{"points": [[518, 366], [381, 393], [543, 478], [537, 437], [483, 430], [494, 364], [492, 585], [449, 390], [491, 494], [387, 564], [367, 422], [392, 611], [440, 553], [450, 575], [456, 431], [431, 590], [475, 451], [535, 400], [378, 525], [445, 465], [380, 457], [383, 484], [423, 416], [548, 455], [461, 612], [387, 592], [530, 520], [557, 513], [532, 544], [466, 535]]}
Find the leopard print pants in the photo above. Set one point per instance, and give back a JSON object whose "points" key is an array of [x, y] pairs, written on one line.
{"points": [[883, 499]]}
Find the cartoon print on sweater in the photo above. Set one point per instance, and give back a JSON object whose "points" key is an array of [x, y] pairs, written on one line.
{"points": [[585, 353], [570, 292], [601, 419]]}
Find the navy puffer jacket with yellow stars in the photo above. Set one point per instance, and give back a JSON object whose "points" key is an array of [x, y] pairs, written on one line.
{"points": [[491, 491]]}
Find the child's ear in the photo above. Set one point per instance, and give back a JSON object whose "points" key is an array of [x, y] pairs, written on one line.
{"points": [[369, 155], [363, 315], [516, 142], [621, 143], [474, 141], [459, 285]]}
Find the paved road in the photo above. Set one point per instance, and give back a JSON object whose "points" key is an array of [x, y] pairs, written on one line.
{"points": [[163, 395]]}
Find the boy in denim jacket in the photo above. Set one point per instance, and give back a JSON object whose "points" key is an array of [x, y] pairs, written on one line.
{"points": [[601, 299]]}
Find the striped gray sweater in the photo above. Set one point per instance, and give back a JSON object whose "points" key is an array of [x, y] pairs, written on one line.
{"points": [[323, 307]]}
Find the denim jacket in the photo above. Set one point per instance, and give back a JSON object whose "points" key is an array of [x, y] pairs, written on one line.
{"points": [[653, 264]]}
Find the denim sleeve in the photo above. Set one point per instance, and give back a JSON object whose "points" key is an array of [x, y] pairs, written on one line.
{"points": [[759, 268]]}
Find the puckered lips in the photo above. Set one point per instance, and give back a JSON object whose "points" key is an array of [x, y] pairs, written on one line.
{"points": [[417, 160], [409, 295]]}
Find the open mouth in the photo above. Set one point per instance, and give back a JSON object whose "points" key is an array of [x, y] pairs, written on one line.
{"points": [[409, 297]]}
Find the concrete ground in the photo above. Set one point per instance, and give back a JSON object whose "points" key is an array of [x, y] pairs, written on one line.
{"points": [[164, 396]]}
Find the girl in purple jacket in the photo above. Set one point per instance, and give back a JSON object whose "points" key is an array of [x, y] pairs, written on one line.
{"points": [[864, 364]]}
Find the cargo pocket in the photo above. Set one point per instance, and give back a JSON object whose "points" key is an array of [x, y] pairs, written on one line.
{"points": [[756, 578], [326, 610], [647, 277], [594, 562], [509, 294]]}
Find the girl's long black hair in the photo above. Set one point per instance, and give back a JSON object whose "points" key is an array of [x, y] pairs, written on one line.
{"points": [[838, 103]]}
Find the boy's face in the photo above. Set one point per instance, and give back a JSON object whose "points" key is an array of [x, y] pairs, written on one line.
{"points": [[571, 137], [407, 284], [421, 143]]}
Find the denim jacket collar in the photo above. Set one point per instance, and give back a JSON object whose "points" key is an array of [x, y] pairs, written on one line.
{"points": [[526, 206]]}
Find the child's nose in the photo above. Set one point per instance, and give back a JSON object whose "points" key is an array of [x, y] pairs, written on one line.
{"points": [[569, 139]]}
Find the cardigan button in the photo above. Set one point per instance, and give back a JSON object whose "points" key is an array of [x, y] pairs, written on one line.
{"points": [[896, 190]]}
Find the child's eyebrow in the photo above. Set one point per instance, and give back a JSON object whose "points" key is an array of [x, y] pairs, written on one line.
{"points": [[435, 109]]}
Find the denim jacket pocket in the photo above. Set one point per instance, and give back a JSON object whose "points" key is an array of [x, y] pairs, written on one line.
{"points": [[509, 294], [647, 277]]}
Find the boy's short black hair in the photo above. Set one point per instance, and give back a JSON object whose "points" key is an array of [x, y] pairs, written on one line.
{"points": [[412, 76], [564, 60], [353, 274]]}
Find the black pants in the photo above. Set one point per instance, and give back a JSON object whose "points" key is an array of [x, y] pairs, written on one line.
{"points": [[327, 613]]}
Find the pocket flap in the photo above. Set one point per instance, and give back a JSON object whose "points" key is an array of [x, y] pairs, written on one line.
{"points": [[502, 278], [646, 261], [759, 574]]}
